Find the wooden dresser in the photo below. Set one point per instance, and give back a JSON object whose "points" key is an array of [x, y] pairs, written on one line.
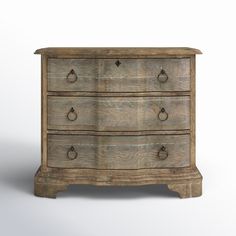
{"points": [[118, 116]]}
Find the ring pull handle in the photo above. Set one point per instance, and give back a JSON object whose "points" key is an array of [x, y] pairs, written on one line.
{"points": [[162, 76], [71, 153], [71, 76], [162, 115], [162, 153], [72, 115]]}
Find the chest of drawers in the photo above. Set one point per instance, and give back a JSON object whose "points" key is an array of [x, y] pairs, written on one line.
{"points": [[118, 116]]}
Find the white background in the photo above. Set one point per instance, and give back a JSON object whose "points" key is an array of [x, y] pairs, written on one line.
{"points": [[81, 211]]}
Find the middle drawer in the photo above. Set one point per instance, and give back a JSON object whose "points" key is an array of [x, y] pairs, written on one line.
{"points": [[118, 113]]}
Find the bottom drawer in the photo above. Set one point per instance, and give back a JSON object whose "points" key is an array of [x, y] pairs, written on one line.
{"points": [[118, 152]]}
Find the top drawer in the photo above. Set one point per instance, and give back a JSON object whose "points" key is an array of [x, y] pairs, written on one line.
{"points": [[119, 75]]}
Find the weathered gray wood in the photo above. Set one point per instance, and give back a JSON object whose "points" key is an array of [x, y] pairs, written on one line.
{"points": [[116, 123], [44, 60], [119, 94], [114, 133], [85, 69], [118, 152], [192, 113], [133, 75], [118, 114]]}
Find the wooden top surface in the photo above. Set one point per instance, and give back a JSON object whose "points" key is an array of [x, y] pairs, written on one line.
{"points": [[91, 52]]}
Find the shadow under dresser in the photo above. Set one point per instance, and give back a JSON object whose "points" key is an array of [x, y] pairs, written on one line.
{"points": [[118, 116]]}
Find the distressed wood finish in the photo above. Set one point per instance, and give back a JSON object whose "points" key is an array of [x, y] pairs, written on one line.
{"points": [[44, 105], [189, 189], [118, 94], [114, 133], [118, 152], [132, 75], [117, 52], [192, 113], [119, 113], [115, 137], [186, 182]]}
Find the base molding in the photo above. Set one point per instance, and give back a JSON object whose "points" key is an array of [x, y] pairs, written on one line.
{"points": [[192, 189], [187, 182]]}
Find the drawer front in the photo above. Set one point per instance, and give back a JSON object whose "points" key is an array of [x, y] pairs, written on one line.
{"points": [[72, 74], [118, 113], [118, 152], [123, 75]]}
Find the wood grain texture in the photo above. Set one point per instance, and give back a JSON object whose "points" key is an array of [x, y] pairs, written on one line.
{"points": [[192, 112], [119, 94], [114, 133], [118, 152], [133, 75], [118, 114], [117, 133], [186, 190], [59, 178], [47, 187], [44, 105], [115, 52]]}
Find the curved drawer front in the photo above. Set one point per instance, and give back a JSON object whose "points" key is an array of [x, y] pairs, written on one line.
{"points": [[118, 113], [119, 75], [118, 152], [72, 74]]}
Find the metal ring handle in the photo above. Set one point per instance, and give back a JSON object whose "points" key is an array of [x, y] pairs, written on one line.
{"points": [[163, 115], [72, 115], [162, 153], [71, 76], [71, 153], [162, 76]]}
